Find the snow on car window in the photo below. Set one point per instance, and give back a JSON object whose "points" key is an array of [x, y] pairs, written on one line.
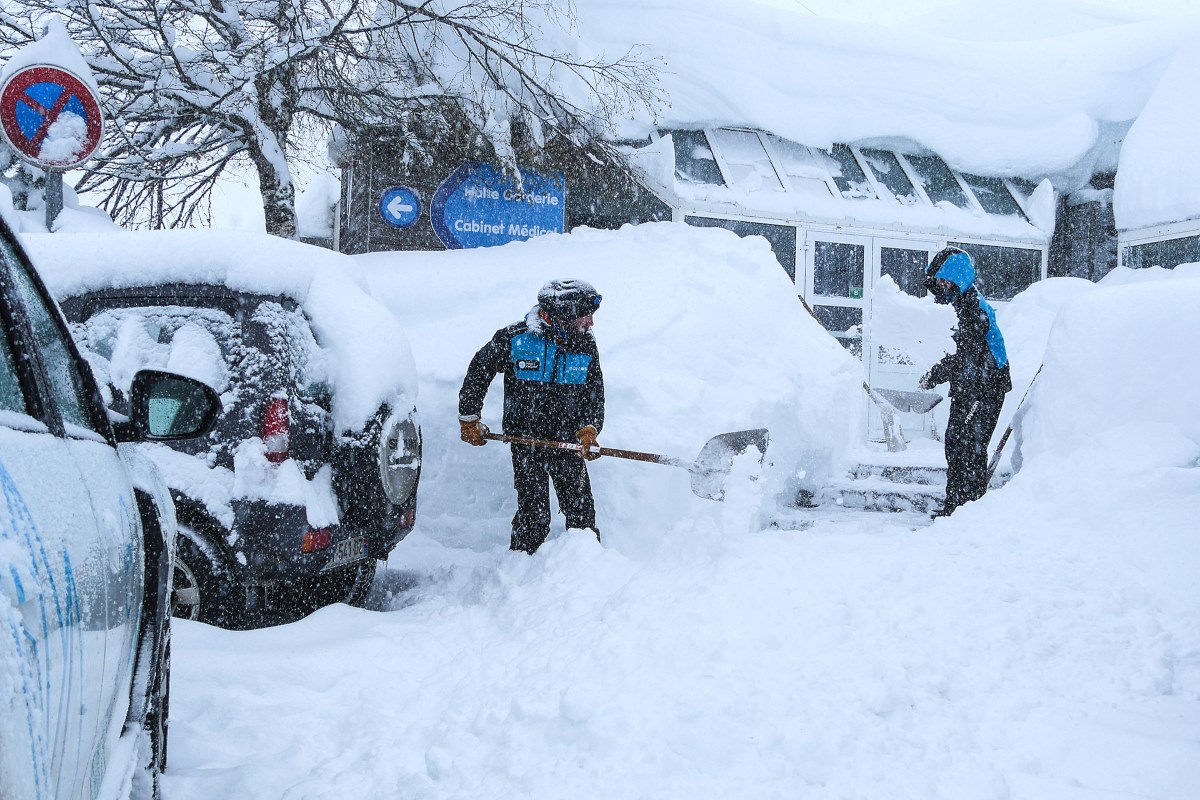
{"points": [[189, 340], [289, 332]]}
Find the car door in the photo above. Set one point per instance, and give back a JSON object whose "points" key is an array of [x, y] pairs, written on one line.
{"points": [[67, 583]]}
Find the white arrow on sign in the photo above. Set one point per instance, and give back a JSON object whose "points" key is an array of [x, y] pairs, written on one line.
{"points": [[398, 207]]}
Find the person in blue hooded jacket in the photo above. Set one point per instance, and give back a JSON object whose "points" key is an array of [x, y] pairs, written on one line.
{"points": [[978, 374]]}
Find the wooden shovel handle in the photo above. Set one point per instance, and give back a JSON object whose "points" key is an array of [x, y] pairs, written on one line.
{"points": [[634, 455]]}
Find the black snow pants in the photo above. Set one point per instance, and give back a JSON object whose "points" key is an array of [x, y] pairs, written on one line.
{"points": [[533, 469], [968, 432]]}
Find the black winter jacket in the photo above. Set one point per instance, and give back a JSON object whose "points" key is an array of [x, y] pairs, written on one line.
{"points": [[978, 368], [553, 386]]}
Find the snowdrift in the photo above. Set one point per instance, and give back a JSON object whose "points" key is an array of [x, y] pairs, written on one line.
{"points": [[700, 333], [1121, 366]]}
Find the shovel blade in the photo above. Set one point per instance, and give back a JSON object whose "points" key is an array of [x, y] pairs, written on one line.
{"points": [[715, 462], [910, 402]]}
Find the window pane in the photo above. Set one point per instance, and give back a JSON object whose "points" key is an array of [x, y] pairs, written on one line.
{"points": [[844, 323], [888, 171], [1168, 254], [993, 195], [746, 160], [66, 382], [806, 175], [781, 237], [906, 268], [847, 174], [1004, 271], [838, 269], [11, 396], [1024, 186], [694, 162], [938, 181]]}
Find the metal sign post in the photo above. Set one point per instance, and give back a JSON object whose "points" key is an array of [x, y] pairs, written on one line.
{"points": [[53, 197], [51, 119]]}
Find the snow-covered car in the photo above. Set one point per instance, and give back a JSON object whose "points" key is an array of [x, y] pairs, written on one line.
{"points": [[87, 537], [310, 475]]}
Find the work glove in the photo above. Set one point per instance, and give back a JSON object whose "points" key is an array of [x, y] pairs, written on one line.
{"points": [[587, 437], [471, 430], [926, 382]]}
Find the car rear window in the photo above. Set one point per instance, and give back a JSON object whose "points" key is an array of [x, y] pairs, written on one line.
{"points": [[196, 341]]}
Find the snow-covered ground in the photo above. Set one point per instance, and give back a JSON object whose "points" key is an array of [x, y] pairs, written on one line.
{"points": [[1041, 643]]}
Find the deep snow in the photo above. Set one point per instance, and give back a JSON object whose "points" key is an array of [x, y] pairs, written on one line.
{"points": [[1042, 643]]}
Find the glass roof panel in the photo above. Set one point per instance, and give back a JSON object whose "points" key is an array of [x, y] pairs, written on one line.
{"points": [[694, 161], [888, 171], [992, 194], [846, 172], [938, 181], [746, 161]]}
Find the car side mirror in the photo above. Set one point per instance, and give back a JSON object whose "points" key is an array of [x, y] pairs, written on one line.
{"points": [[164, 406]]}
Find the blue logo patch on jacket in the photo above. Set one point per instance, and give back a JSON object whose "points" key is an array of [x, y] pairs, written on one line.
{"points": [[538, 359]]}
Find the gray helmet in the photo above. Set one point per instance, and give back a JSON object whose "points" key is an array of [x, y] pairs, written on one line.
{"points": [[568, 299]]}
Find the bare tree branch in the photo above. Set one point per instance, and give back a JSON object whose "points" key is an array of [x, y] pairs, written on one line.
{"points": [[192, 87]]}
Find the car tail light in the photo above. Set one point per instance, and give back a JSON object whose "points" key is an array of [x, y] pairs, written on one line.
{"points": [[315, 540], [408, 518], [275, 436]]}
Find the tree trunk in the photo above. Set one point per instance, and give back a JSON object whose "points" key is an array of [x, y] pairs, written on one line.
{"points": [[278, 197], [279, 203]]}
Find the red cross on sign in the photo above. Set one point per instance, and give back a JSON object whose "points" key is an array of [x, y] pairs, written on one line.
{"points": [[50, 117]]}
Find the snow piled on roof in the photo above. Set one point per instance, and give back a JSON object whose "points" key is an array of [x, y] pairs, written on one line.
{"points": [[1032, 107], [1158, 180], [372, 360]]}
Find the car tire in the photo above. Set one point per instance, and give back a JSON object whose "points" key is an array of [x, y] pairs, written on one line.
{"points": [[203, 587]]}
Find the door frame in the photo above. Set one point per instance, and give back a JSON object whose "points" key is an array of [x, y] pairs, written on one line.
{"points": [[807, 245], [875, 375]]}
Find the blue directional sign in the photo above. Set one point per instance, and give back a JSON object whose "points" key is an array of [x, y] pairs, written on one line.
{"points": [[399, 206], [478, 206]]}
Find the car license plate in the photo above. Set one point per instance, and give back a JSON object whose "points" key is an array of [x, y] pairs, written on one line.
{"points": [[347, 551]]}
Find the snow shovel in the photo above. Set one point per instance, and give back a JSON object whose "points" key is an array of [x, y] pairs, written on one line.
{"points": [[708, 471], [889, 401], [910, 402]]}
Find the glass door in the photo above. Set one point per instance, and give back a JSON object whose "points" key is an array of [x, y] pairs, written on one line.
{"points": [[836, 282], [905, 337]]}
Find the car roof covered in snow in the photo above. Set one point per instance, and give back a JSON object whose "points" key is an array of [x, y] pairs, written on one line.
{"points": [[373, 360]]}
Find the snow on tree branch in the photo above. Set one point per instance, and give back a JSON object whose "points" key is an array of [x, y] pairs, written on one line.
{"points": [[191, 88]]}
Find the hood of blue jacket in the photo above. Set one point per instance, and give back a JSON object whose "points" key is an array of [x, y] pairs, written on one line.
{"points": [[959, 270]]}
